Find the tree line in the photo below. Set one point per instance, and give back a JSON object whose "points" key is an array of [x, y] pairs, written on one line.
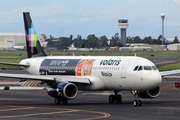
{"points": [[102, 42]]}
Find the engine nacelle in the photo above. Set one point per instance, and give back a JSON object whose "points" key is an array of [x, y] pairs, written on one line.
{"points": [[153, 93], [68, 90]]}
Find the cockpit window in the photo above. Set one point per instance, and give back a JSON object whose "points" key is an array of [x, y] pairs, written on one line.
{"points": [[154, 67], [147, 68], [140, 68], [136, 68]]}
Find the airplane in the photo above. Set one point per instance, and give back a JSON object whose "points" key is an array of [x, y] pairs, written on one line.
{"points": [[66, 75], [17, 47], [166, 42]]}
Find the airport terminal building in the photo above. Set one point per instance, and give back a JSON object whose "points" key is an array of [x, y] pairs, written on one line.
{"points": [[9, 40]]}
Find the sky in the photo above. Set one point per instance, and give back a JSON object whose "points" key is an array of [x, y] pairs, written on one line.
{"points": [[61, 18]]}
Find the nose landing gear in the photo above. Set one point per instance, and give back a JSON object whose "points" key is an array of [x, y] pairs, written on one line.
{"points": [[136, 102]]}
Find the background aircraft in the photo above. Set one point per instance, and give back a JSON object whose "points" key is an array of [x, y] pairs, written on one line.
{"points": [[17, 47]]}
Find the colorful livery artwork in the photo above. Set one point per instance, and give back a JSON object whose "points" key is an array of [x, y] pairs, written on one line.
{"points": [[84, 67], [78, 67]]}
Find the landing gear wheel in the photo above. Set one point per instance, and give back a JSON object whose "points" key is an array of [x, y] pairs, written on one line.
{"points": [[137, 103], [111, 99], [118, 99], [57, 101], [64, 101]]}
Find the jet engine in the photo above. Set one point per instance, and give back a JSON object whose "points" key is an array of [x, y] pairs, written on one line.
{"points": [[153, 93], [67, 90]]}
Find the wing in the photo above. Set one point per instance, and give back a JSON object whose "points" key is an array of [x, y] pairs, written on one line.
{"points": [[170, 74], [72, 79], [165, 73]]}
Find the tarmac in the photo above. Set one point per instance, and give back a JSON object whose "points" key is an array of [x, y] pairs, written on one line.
{"points": [[37, 105]]}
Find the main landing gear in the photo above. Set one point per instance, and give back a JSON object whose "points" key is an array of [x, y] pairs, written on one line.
{"points": [[136, 102], [60, 99], [115, 98]]}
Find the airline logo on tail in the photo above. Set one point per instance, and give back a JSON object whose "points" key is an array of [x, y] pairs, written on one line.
{"points": [[32, 38]]}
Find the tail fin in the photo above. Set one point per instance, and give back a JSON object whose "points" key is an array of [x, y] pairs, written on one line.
{"points": [[166, 42], [34, 48]]}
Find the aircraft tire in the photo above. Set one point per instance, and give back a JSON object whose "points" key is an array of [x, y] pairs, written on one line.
{"points": [[135, 103], [64, 101], [118, 99], [139, 102], [111, 99], [57, 101]]}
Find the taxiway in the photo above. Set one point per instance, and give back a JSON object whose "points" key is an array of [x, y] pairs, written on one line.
{"points": [[37, 105]]}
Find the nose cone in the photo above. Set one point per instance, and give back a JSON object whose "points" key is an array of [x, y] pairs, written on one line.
{"points": [[154, 79]]}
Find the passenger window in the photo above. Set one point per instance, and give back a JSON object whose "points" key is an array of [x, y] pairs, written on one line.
{"points": [[154, 67], [136, 68], [147, 68], [140, 68]]}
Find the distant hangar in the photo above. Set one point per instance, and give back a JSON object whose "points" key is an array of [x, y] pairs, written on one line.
{"points": [[8, 40]]}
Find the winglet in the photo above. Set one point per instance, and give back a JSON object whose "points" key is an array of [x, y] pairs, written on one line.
{"points": [[34, 48]]}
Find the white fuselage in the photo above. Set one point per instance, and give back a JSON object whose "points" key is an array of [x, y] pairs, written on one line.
{"points": [[110, 72]]}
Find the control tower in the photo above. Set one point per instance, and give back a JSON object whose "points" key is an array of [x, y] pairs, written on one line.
{"points": [[123, 25]]}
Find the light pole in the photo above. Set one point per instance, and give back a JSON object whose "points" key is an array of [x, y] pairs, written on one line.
{"points": [[163, 17]]}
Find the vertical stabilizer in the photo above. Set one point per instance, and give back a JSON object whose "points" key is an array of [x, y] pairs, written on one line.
{"points": [[34, 48]]}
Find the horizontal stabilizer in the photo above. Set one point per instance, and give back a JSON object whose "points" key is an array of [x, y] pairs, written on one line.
{"points": [[14, 64]]}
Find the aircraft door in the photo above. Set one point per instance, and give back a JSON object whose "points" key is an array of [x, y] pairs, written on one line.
{"points": [[123, 69]]}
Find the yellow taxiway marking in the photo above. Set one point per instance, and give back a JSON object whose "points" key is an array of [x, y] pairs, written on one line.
{"points": [[11, 109], [37, 82], [63, 110], [34, 83], [37, 114], [29, 84], [105, 115], [26, 83]]}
